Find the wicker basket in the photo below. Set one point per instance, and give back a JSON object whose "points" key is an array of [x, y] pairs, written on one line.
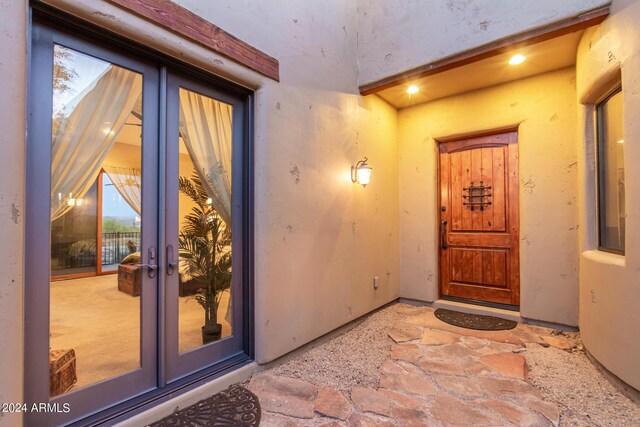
{"points": [[62, 371]]}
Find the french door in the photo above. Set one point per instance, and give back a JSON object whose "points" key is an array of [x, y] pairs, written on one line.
{"points": [[172, 148]]}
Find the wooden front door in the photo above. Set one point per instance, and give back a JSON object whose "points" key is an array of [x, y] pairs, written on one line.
{"points": [[479, 224]]}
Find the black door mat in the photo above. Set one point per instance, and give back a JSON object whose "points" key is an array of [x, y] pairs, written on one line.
{"points": [[236, 406], [474, 321]]}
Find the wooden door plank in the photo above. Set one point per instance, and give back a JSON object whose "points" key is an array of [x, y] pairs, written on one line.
{"points": [[486, 174], [476, 177], [465, 165], [456, 264], [444, 168], [455, 197], [477, 266], [498, 190], [480, 240], [480, 293], [467, 265], [500, 268], [488, 276]]}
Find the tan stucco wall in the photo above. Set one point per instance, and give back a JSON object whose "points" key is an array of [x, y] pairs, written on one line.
{"points": [[610, 284], [13, 45], [320, 239], [544, 106], [395, 36]]}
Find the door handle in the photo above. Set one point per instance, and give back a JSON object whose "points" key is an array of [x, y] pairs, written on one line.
{"points": [[151, 267], [171, 263], [443, 233]]}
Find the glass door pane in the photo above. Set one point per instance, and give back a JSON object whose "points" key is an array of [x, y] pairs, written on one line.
{"points": [[204, 228], [94, 320], [204, 291]]}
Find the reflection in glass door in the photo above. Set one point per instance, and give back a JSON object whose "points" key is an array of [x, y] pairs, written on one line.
{"points": [[94, 320], [204, 229], [204, 303]]}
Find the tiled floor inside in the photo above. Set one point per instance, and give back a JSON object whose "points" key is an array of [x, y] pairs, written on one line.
{"points": [[434, 374]]}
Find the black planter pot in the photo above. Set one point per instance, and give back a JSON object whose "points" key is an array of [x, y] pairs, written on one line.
{"points": [[211, 333]]}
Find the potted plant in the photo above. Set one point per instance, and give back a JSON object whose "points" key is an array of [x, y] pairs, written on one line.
{"points": [[204, 244]]}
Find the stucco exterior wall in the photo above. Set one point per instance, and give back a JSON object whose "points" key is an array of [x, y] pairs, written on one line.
{"points": [[545, 109], [13, 65], [320, 239], [610, 284], [401, 35]]}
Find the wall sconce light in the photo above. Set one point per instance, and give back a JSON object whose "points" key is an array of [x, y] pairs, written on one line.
{"points": [[361, 172]]}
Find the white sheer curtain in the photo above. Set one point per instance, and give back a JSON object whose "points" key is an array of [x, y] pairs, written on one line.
{"points": [[206, 128], [128, 183], [83, 136]]}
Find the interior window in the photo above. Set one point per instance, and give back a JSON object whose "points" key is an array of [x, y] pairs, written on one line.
{"points": [[611, 194]]}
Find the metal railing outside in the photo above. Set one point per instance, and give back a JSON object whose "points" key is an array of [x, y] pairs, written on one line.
{"points": [[116, 246]]}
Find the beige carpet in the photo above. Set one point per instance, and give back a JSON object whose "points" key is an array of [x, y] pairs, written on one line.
{"points": [[102, 325]]}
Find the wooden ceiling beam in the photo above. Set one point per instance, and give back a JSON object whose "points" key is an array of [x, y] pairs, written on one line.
{"points": [[183, 22]]}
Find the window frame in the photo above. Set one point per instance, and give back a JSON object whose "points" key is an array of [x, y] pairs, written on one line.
{"points": [[600, 171]]}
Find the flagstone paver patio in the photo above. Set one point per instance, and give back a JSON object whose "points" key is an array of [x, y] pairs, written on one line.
{"points": [[435, 374]]}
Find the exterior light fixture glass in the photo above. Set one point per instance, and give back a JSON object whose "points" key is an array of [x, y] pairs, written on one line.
{"points": [[413, 89], [517, 59], [361, 172]]}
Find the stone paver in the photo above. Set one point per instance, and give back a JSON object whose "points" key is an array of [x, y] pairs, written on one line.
{"points": [[475, 343], [547, 409], [508, 387], [402, 400], [409, 352], [287, 396], [440, 367], [402, 332], [434, 374], [453, 413], [411, 417], [512, 413], [371, 400], [409, 383], [331, 403], [559, 342], [436, 337], [359, 420], [465, 387], [393, 368], [270, 420], [508, 364]]}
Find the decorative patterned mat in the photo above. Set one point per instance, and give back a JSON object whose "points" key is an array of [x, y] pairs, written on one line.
{"points": [[474, 321], [236, 407]]}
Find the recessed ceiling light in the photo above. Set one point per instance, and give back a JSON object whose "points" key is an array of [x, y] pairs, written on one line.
{"points": [[413, 89], [517, 59], [621, 141]]}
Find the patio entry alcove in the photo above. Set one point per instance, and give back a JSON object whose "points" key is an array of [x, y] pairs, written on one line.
{"points": [[175, 145]]}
